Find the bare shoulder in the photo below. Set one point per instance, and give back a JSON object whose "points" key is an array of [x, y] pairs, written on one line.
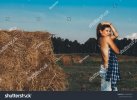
{"points": [[108, 39], [112, 45], [105, 39]]}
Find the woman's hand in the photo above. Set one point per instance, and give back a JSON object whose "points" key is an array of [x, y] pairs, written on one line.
{"points": [[115, 33]]}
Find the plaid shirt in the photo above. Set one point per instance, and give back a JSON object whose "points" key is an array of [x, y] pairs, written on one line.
{"points": [[113, 73]]}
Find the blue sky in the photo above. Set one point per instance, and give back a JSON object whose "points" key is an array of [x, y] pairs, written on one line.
{"points": [[68, 18]]}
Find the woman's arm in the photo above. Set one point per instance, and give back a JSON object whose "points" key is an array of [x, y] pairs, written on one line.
{"points": [[115, 33], [112, 45]]}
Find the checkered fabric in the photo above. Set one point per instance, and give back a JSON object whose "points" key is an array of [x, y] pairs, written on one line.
{"points": [[113, 73]]}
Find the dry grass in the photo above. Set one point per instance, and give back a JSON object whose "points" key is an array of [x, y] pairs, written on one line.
{"points": [[23, 56]]}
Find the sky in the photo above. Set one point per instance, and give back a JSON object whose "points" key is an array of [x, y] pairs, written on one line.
{"points": [[72, 19]]}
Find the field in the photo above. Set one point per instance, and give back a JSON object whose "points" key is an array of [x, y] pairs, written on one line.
{"points": [[79, 73]]}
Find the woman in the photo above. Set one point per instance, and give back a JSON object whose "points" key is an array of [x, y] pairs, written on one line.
{"points": [[109, 70]]}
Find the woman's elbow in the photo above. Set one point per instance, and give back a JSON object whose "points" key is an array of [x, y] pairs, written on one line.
{"points": [[117, 51]]}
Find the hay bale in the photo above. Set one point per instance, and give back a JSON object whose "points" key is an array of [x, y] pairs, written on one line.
{"points": [[27, 62], [67, 60], [76, 58]]}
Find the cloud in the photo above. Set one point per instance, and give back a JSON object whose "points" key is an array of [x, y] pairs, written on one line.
{"points": [[132, 36], [13, 28]]}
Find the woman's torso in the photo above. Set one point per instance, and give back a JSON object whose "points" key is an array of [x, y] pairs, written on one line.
{"points": [[104, 48]]}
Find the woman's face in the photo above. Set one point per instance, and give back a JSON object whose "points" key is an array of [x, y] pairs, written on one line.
{"points": [[105, 32]]}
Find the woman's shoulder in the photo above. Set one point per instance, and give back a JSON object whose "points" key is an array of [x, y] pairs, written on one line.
{"points": [[106, 38]]}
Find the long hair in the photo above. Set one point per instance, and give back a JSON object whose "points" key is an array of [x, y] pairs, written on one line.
{"points": [[98, 34]]}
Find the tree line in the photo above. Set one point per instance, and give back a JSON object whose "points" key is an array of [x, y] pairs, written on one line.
{"points": [[61, 45]]}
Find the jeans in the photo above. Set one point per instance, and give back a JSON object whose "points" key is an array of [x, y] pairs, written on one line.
{"points": [[105, 85]]}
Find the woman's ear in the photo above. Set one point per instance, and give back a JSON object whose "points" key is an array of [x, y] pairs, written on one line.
{"points": [[100, 31]]}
